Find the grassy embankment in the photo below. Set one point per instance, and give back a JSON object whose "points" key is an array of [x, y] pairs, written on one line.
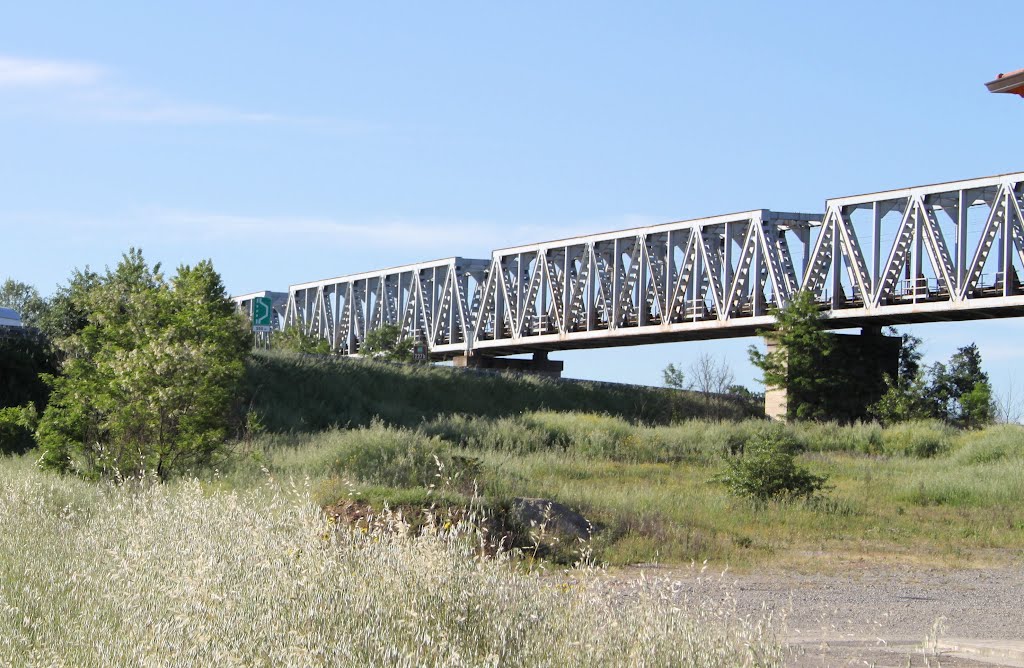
{"points": [[304, 393], [919, 492]]}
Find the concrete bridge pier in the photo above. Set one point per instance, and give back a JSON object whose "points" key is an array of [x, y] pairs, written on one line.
{"points": [[539, 364], [860, 363]]}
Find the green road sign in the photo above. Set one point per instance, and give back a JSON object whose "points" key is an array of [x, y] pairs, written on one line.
{"points": [[262, 314]]}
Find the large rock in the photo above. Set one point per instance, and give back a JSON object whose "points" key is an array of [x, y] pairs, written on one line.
{"points": [[555, 518]]}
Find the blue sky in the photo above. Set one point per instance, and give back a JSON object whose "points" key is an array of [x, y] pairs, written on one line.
{"points": [[292, 143]]}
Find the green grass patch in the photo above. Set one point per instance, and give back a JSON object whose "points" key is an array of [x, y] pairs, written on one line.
{"points": [[918, 489]]}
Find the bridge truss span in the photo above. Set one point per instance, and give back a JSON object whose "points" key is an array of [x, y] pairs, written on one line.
{"points": [[433, 302], [949, 251], [676, 280]]}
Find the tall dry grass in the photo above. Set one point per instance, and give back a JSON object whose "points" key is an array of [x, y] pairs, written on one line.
{"points": [[172, 575]]}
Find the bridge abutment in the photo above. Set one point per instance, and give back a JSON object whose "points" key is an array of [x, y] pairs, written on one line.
{"points": [[860, 363], [539, 364]]}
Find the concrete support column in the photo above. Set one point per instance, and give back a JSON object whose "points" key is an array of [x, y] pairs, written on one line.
{"points": [[858, 363], [540, 364], [775, 400]]}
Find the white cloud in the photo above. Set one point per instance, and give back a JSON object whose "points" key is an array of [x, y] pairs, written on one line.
{"points": [[110, 106], [27, 72], [86, 91], [434, 236]]}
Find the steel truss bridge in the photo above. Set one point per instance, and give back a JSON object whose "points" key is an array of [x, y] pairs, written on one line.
{"points": [[951, 251]]}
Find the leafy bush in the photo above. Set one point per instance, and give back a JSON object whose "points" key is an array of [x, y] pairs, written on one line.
{"points": [[865, 438], [294, 340], [515, 435], [767, 470], [375, 455], [380, 455], [151, 378], [17, 429], [387, 342], [601, 436], [24, 362]]}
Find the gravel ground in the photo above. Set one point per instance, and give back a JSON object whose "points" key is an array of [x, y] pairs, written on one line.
{"points": [[862, 615]]}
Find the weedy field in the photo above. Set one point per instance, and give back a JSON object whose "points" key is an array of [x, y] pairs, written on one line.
{"points": [[916, 493], [369, 517], [176, 574]]}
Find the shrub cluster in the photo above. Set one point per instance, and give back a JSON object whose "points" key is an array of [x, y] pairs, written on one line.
{"points": [[17, 429], [768, 470], [150, 378]]}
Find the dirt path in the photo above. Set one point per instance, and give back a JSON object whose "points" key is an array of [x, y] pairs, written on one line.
{"points": [[866, 614]]}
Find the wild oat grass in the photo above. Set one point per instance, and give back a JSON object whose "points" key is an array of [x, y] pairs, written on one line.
{"points": [[175, 575]]}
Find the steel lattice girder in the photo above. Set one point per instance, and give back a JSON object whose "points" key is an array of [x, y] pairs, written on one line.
{"points": [[642, 282], [940, 252], [942, 242], [430, 301]]}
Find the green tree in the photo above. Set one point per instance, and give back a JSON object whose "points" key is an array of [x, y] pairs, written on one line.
{"points": [[24, 299], [67, 311], [961, 390], [705, 374], [387, 342], [151, 378], [797, 359], [958, 392], [17, 429], [25, 362], [674, 377], [906, 395], [25, 356], [745, 393]]}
